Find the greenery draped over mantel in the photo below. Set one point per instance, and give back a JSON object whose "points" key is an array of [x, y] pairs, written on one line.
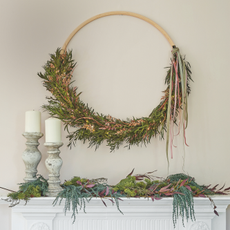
{"points": [[77, 192]]}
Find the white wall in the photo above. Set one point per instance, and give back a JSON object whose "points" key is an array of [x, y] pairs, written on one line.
{"points": [[121, 72]]}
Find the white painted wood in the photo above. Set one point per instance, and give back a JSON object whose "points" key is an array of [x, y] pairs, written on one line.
{"points": [[117, 13], [139, 214]]}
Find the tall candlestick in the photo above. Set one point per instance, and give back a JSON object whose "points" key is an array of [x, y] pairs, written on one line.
{"points": [[53, 130], [31, 156], [32, 122]]}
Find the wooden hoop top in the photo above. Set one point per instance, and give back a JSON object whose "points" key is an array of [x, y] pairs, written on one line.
{"points": [[117, 13]]}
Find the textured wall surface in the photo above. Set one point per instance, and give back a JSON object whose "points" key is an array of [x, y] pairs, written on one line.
{"points": [[121, 72]]}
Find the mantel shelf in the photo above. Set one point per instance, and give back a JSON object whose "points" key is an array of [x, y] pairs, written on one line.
{"points": [[139, 214]]}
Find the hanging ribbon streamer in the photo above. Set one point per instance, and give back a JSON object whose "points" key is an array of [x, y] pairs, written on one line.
{"points": [[177, 99], [169, 112]]}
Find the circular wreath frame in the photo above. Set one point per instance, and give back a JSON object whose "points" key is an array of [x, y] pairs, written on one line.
{"points": [[65, 103]]}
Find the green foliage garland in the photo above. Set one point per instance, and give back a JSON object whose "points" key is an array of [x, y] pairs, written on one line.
{"points": [[94, 127], [79, 191], [179, 186], [36, 188]]}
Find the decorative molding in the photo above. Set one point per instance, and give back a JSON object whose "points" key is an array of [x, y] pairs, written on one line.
{"points": [[40, 226], [200, 225], [139, 214], [114, 223]]}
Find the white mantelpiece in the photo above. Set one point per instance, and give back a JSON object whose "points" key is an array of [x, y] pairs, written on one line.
{"points": [[139, 214]]}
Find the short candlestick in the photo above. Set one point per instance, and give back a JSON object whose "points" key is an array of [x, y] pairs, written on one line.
{"points": [[53, 164]]}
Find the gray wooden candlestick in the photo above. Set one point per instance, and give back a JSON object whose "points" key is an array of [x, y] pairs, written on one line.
{"points": [[31, 156], [53, 164]]}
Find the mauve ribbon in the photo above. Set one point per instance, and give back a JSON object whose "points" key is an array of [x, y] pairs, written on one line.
{"points": [[180, 75], [169, 113]]}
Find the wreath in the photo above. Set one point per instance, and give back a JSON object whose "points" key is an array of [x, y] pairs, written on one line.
{"points": [[66, 105]]}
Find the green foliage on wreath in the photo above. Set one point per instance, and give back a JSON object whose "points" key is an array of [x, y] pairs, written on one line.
{"points": [[65, 104]]}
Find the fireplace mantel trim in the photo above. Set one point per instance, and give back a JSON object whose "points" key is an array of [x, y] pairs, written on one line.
{"points": [[139, 214]]}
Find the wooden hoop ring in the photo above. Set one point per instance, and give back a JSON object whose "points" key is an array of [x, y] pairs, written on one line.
{"points": [[117, 13]]}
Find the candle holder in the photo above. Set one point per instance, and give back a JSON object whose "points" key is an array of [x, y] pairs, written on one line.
{"points": [[31, 156], [53, 164]]}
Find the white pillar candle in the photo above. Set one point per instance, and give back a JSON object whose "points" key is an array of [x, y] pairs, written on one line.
{"points": [[53, 130], [32, 121]]}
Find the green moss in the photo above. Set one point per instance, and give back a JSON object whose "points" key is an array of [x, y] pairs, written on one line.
{"points": [[35, 188], [68, 183], [21, 196], [148, 182], [77, 181], [194, 188], [131, 188], [141, 184], [74, 180], [129, 192]]}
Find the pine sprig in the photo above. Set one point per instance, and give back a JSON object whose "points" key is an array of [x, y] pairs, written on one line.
{"points": [[36, 188]]}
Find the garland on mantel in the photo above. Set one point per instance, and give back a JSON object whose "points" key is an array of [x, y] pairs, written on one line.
{"points": [[95, 127], [78, 191]]}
